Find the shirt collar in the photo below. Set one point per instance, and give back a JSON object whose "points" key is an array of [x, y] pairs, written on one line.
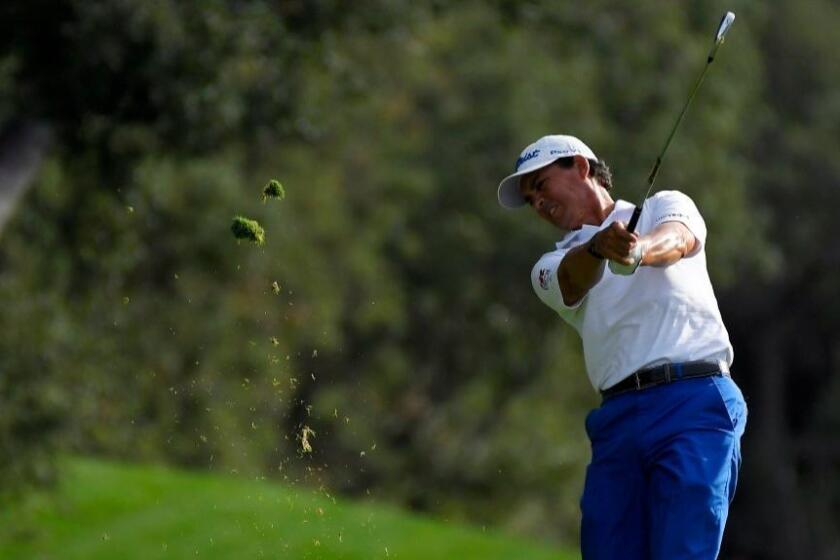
{"points": [[586, 231]]}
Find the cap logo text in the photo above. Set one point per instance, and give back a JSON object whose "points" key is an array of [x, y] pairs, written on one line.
{"points": [[525, 157]]}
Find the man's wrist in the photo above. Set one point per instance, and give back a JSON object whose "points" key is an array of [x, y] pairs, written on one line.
{"points": [[638, 254], [642, 248], [590, 248]]}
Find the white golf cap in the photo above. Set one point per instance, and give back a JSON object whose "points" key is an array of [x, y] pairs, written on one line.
{"points": [[544, 151]]}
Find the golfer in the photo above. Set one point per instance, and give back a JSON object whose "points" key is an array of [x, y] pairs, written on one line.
{"points": [[666, 437]]}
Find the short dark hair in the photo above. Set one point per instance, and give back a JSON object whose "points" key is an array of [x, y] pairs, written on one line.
{"points": [[598, 169]]}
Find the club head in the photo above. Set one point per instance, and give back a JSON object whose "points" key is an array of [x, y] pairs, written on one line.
{"points": [[725, 24]]}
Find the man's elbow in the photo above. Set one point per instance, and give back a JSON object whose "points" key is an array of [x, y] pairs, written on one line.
{"points": [[690, 243]]}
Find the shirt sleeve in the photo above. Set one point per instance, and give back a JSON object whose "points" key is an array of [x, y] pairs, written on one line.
{"points": [[547, 286], [674, 206]]}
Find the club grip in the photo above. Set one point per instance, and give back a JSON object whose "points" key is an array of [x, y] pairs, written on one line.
{"points": [[634, 219]]}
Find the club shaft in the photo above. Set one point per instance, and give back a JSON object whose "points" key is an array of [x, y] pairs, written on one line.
{"points": [[658, 164], [631, 227], [634, 220]]}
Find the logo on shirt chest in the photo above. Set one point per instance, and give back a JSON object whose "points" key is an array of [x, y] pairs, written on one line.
{"points": [[545, 278]]}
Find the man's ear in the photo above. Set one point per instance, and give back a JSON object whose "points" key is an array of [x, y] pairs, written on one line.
{"points": [[582, 166]]}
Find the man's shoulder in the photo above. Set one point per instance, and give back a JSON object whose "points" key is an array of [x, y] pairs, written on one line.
{"points": [[672, 203], [676, 206], [554, 255], [668, 195]]}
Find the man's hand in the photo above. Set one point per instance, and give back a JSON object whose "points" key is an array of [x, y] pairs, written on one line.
{"points": [[617, 244]]}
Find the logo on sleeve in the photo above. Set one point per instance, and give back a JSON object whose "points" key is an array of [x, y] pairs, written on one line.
{"points": [[545, 278], [672, 217]]}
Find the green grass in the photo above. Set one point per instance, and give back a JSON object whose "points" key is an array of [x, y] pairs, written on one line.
{"points": [[110, 511]]}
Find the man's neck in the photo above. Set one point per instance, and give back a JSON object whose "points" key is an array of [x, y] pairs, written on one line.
{"points": [[605, 204]]}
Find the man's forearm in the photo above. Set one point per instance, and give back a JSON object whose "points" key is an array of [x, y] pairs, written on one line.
{"points": [[578, 273], [667, 244]]}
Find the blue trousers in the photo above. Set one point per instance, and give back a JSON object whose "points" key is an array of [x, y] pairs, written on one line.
{"points": [[664, 467]]}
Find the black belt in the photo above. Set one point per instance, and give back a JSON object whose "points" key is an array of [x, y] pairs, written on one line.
{"points": [[666, 373]]}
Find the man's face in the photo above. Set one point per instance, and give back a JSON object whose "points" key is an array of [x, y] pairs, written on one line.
{"points": [[561, 196]]}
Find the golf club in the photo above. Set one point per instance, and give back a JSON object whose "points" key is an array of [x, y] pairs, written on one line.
{"points": [[725, 24]]}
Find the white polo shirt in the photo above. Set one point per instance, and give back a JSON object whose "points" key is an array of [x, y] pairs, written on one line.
{"points": [[655, 315]]}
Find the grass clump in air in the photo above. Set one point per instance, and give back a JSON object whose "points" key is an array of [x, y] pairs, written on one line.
{"points": [[305, 434], [273, 190], [251, 230]]}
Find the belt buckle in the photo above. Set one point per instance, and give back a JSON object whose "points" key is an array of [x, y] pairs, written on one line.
{"points": [[667, 367], [638, 381]]}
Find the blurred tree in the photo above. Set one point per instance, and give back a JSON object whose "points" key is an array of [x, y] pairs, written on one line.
{"points": [[786, 326]]}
